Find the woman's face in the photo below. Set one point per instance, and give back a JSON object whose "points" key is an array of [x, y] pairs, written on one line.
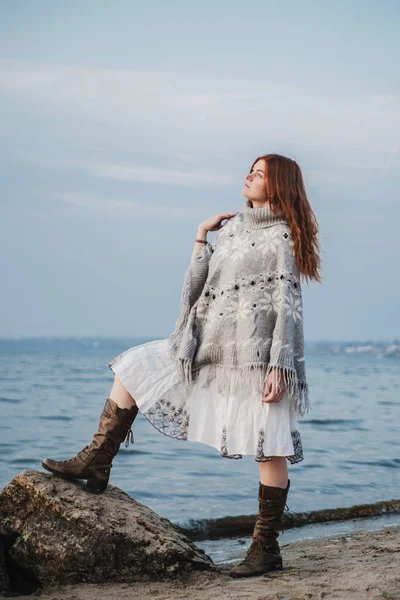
{"points": [[254, 187]]}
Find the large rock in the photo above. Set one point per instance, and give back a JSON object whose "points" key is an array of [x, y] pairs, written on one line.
{"points": [[54, 531]]}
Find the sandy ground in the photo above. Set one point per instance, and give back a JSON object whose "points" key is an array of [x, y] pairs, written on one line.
{"points": [[357, 566]]}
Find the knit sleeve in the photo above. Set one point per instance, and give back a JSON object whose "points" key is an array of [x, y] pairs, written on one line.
{"points": [[287, 349], [193, 284]]}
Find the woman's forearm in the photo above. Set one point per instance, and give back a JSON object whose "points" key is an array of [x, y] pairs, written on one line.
{"points": [[201, 235]]}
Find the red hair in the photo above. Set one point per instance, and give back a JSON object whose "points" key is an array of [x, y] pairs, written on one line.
{"points": [[286, 193]]}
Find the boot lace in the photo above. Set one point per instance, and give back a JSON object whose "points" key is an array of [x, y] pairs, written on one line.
{"points": [[81, 454], [257, 547], [129, 438], [285, 509]]}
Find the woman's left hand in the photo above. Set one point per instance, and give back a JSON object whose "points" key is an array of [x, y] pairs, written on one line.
{"points": [[271, 393]]}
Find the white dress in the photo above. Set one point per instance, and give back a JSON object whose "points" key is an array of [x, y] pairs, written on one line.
{"points": [[235, 426]]}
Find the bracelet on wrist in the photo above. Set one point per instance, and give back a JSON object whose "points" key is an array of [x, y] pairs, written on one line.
{"points": [[202, 241]]}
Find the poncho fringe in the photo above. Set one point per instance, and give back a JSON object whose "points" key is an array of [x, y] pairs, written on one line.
{"points": [[247, 380]]}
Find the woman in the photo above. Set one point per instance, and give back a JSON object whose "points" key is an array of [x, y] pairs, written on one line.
{"points": [[232, 373]]}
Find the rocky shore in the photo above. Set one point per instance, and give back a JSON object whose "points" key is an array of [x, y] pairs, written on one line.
{"points": [[362, 566], [70, 545]]}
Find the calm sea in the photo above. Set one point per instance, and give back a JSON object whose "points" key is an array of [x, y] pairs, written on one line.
{"points": [[52, 392]]}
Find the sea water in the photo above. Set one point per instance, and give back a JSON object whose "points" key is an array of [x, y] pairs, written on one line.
{"points": [[52, 392]]}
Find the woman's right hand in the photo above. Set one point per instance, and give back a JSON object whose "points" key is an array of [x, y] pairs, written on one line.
{"points": [[214, 223]]}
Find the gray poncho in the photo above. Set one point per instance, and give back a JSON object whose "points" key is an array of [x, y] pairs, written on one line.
{"points": [[241, 309]]}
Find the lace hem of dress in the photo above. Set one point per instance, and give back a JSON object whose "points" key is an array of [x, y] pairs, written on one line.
{"points": [[174, 422], [169, 420], [298, 455]]}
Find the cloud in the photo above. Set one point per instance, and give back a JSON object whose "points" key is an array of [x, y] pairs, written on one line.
{"points": [[118, 207], [186, 111], [129, 171]]}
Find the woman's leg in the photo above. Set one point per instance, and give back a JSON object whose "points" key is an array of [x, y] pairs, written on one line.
{"points": [[274, 472], [272, 495], [120, 395], [94, 461], [264, 552]]}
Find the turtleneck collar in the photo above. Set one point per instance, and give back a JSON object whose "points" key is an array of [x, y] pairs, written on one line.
{"points": [[257, 218]]}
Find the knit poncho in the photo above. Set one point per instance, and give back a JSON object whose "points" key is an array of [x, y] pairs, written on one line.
{"points": [[242, 311]]}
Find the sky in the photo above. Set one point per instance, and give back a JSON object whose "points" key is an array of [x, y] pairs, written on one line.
{"points": [[125, 124]]}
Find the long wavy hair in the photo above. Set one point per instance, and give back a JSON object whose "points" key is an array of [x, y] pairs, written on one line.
{"points": [[286, 193]]}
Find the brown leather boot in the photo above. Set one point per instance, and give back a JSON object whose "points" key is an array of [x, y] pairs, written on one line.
{"points": [[264, 552], [94, 462]]}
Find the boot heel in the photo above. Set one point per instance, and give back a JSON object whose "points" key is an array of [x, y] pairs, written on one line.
{"points": [[96, 486]]}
